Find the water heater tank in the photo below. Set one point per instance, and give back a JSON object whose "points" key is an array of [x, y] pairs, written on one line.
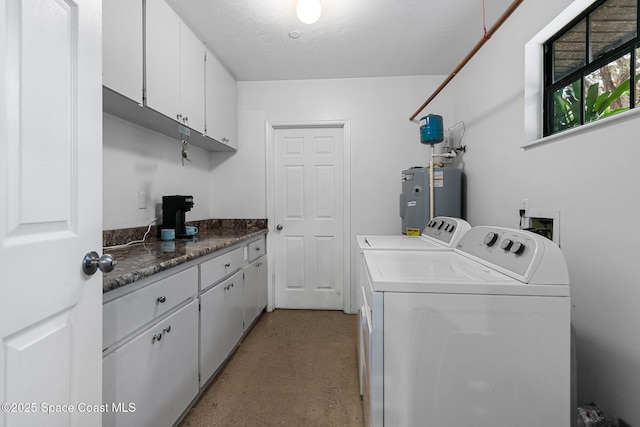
{"points": [[414, 199]]}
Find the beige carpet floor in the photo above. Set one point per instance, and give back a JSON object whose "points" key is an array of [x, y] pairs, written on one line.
{"points": [[294, 368]]}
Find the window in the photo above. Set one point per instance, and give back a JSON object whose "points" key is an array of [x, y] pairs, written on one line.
{"points": [[589, 65]]}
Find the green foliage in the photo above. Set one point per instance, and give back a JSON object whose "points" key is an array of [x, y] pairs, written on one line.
{"points": [[567, 103]]}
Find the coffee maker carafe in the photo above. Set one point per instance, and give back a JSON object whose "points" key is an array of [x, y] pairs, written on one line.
{"points": [[173, 210]]}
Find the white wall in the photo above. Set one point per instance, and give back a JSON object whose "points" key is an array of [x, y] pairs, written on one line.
{"points": [[595, 190], [383, 142], [136, 160]]}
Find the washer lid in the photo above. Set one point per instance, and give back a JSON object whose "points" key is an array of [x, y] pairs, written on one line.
{"points": [[445, 272], [414, 243]]}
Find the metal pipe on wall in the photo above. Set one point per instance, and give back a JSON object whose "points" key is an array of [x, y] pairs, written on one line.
{"points": [[470, 55]]}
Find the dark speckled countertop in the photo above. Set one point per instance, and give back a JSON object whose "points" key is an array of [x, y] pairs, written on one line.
{"points": [[142, 260]]}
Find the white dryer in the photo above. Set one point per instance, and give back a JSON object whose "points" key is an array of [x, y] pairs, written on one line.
{"points": [[475, 337]]}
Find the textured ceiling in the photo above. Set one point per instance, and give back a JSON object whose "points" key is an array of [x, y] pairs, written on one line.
{"points": [[352, 38]]}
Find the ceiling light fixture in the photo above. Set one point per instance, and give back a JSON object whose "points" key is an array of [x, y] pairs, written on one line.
{"points": [[308, 11]]}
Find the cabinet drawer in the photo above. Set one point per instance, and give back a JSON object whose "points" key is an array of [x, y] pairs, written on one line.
{"points": [[219, 267], [124, 315], [257, 248]]}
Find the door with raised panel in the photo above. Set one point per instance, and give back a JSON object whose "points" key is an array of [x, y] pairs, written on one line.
{"points": [[309, 216], [50, 211]]}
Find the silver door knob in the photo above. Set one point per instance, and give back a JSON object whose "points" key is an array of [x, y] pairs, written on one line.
{"points": [[279, 227], [92, 262]]}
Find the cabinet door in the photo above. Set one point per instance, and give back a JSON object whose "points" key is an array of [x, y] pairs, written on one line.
{"points": [[162, 58], [220, 324], [156, 372], [262, 283], [191, 79], [221, 103], [122, 47], [255, 290]]}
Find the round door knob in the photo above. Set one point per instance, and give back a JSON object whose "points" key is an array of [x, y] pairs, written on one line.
{"points": [[92, 262], [279, 227], [106, 263]]}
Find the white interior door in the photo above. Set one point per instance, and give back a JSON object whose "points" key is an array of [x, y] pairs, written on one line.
{"points": [[309, 217], [50, 211]]}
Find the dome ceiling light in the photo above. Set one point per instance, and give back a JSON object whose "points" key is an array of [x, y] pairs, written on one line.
{"points": [[308, 11]]}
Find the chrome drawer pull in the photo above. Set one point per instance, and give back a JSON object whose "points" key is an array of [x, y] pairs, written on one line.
{"points": [[161, 299]]}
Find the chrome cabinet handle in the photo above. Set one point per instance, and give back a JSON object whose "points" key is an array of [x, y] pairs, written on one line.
{"points": [[92, 262], [162, 299], [228, 264], [279, 227], [158, 336]]}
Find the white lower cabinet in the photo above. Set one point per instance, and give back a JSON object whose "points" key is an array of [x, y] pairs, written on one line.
{"points": [[221, 316], [255, 290], [151, 380], [163, 342]]}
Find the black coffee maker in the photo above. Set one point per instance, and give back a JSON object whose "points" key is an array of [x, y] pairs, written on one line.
{"points": [[173, 210]]}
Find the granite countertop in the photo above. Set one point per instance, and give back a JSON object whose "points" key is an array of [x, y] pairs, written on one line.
{"points": [[142, 260]]}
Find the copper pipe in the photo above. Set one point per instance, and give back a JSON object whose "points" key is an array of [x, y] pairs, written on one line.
{"points": [[470, 55]]}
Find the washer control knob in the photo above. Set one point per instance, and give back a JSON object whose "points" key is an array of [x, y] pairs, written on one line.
{"points": [[517, 248], [506, 244], [451, 228], [490, 239], [441, 225]]}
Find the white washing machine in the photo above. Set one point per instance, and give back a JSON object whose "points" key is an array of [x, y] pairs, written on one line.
{"points": [[475, 337], [442, 233]]}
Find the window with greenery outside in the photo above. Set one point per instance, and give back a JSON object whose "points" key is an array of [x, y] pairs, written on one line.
{"points": [[588, 66]]}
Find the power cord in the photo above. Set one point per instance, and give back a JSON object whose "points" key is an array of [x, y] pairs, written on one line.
{"points": [[135, 241], [522, 212]]}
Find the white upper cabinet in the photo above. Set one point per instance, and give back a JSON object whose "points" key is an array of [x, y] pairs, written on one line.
{"points": [[221, 103], [174, 67], [192, 79], [152, 58], [122, 48]]}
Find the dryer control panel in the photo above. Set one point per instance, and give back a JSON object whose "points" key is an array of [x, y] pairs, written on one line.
{"points": [[520, 254]]}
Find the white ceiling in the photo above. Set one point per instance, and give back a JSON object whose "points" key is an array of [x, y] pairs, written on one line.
{"points": [[352, 38]]}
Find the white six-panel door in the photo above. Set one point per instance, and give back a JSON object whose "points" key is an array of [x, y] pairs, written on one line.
{"points": [[309, 218], [50, 212]]}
